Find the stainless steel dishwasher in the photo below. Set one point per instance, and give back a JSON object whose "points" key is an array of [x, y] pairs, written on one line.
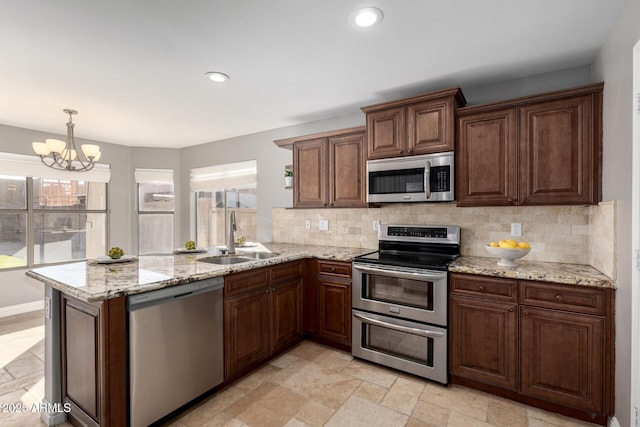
{"points": [[175, 347]]}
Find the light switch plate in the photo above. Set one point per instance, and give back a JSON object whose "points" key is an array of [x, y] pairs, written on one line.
{"points": [[47, 308], [323, 225], [376, 225]]}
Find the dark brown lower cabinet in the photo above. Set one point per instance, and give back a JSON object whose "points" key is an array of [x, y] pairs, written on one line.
{"points": [[562, 357], [483, 340], [262, 315], [545, 344], [94, 361], [334, 303]]}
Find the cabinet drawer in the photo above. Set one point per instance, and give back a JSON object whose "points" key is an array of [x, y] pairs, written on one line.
{"points": [[289, 270], [335, 268], [246, 281], [482, 286], [563, 297]]}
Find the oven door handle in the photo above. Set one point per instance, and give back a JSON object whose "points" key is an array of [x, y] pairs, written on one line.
{"points": [[413, 331], [401, 274]]}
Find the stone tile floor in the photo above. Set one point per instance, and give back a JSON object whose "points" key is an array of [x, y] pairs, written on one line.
{"points": [[310, 385]]}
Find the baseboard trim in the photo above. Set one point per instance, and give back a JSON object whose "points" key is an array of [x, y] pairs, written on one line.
{"points": [[21, 308], [613, 422]]}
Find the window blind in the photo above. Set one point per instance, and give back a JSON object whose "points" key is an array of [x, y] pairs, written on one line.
{"points": [[225, 176]]}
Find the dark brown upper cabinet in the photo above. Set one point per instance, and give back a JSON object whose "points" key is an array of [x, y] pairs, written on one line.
{"points": [[418, 125], [538, 150], [328, 169]]}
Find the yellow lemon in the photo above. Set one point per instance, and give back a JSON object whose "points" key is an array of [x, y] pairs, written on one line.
{"points": [[507, 245], [494, 244], [513, 242], [523, 245]]}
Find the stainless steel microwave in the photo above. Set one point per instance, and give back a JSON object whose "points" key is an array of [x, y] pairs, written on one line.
{"points": [[424, 178]]}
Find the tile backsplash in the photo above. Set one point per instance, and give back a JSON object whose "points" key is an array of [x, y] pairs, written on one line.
{"points": [[556, 233]]}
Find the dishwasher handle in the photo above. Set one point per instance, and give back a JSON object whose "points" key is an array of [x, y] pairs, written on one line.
{"points": [[151, 298]]}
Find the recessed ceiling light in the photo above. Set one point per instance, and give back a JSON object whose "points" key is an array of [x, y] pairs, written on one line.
{"points": [[217, 76], [367, 16]]}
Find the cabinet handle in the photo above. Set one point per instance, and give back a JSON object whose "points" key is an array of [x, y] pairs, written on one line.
{"points": [[559, 297]]}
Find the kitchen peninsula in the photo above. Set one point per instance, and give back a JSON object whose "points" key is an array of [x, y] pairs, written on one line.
{"points": [[86, 324]]}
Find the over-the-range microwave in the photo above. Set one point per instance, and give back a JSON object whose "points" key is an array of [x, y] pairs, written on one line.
{"points": [[424, 178]]}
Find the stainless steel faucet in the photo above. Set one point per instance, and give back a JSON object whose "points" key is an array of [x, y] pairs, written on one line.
{"points": [[231, 241]]}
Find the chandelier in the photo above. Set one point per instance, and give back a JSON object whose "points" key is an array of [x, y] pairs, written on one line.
{"points": [[64, 155]]}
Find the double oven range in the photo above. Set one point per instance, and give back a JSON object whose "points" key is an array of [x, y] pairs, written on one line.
{"points": [[400, 299]]}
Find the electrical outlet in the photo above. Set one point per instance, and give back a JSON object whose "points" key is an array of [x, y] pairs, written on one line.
{"points": [[307, 224], [516, 229], [323, 225], [376, 225]]}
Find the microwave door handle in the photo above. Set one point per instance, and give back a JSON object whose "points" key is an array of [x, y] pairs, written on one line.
{"points": [[427, 179], [401, 274], [408, 330]]}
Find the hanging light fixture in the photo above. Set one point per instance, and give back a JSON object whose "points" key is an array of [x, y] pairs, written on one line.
{"points": [[63, 155]]}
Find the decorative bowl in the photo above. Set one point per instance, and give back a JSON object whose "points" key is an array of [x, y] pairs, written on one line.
{"points": [[507, 255]]}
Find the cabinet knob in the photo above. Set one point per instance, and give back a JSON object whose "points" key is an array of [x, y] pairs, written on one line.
{"points": [[511, 309], [401, 151], [273, 289], [559, 297], [410, 150], [266, 291], [526, 313], [481, 288], [333, 269], [510, 199]]}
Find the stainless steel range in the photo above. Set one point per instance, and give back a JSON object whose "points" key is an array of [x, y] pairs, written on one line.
{"points": [[399, 314]]}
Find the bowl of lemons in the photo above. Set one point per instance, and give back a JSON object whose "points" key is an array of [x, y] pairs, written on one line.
{"points": [[508, 251]]}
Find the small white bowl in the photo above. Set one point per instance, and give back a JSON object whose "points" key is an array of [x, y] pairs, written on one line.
{"points": [[507, 255]]}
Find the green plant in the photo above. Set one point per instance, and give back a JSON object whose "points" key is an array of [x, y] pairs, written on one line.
{"points": [[288, 172]]}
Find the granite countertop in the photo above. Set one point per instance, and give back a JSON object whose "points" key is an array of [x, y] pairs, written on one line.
{"points": [[96, 282], [572, 274]]}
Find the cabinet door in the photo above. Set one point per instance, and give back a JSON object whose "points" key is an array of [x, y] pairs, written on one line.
{"points": [[310, 173], [346, 171], [81, 359], [483, 341], [562, 357], [430, 126], [246, 332], [286, 311], [386, 133], [557, 160], [334, 306], [486, 159]]}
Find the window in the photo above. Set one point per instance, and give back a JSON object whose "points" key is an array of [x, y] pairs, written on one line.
{"points": [[155, 211], [69, 220], [48, 215], [219, 190], [13, 221]]}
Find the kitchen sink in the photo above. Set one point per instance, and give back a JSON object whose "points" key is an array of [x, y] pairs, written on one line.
{"points": [[237, 258], [226, 259]]}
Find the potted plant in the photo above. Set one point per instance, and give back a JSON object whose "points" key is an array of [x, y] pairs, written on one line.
{"points": [[288, 177]]}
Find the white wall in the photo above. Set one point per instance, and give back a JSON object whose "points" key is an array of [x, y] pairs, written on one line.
{"points": [[614, 65]]}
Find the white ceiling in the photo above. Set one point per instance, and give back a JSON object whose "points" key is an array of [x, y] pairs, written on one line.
{"points": [[134, 69]]}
